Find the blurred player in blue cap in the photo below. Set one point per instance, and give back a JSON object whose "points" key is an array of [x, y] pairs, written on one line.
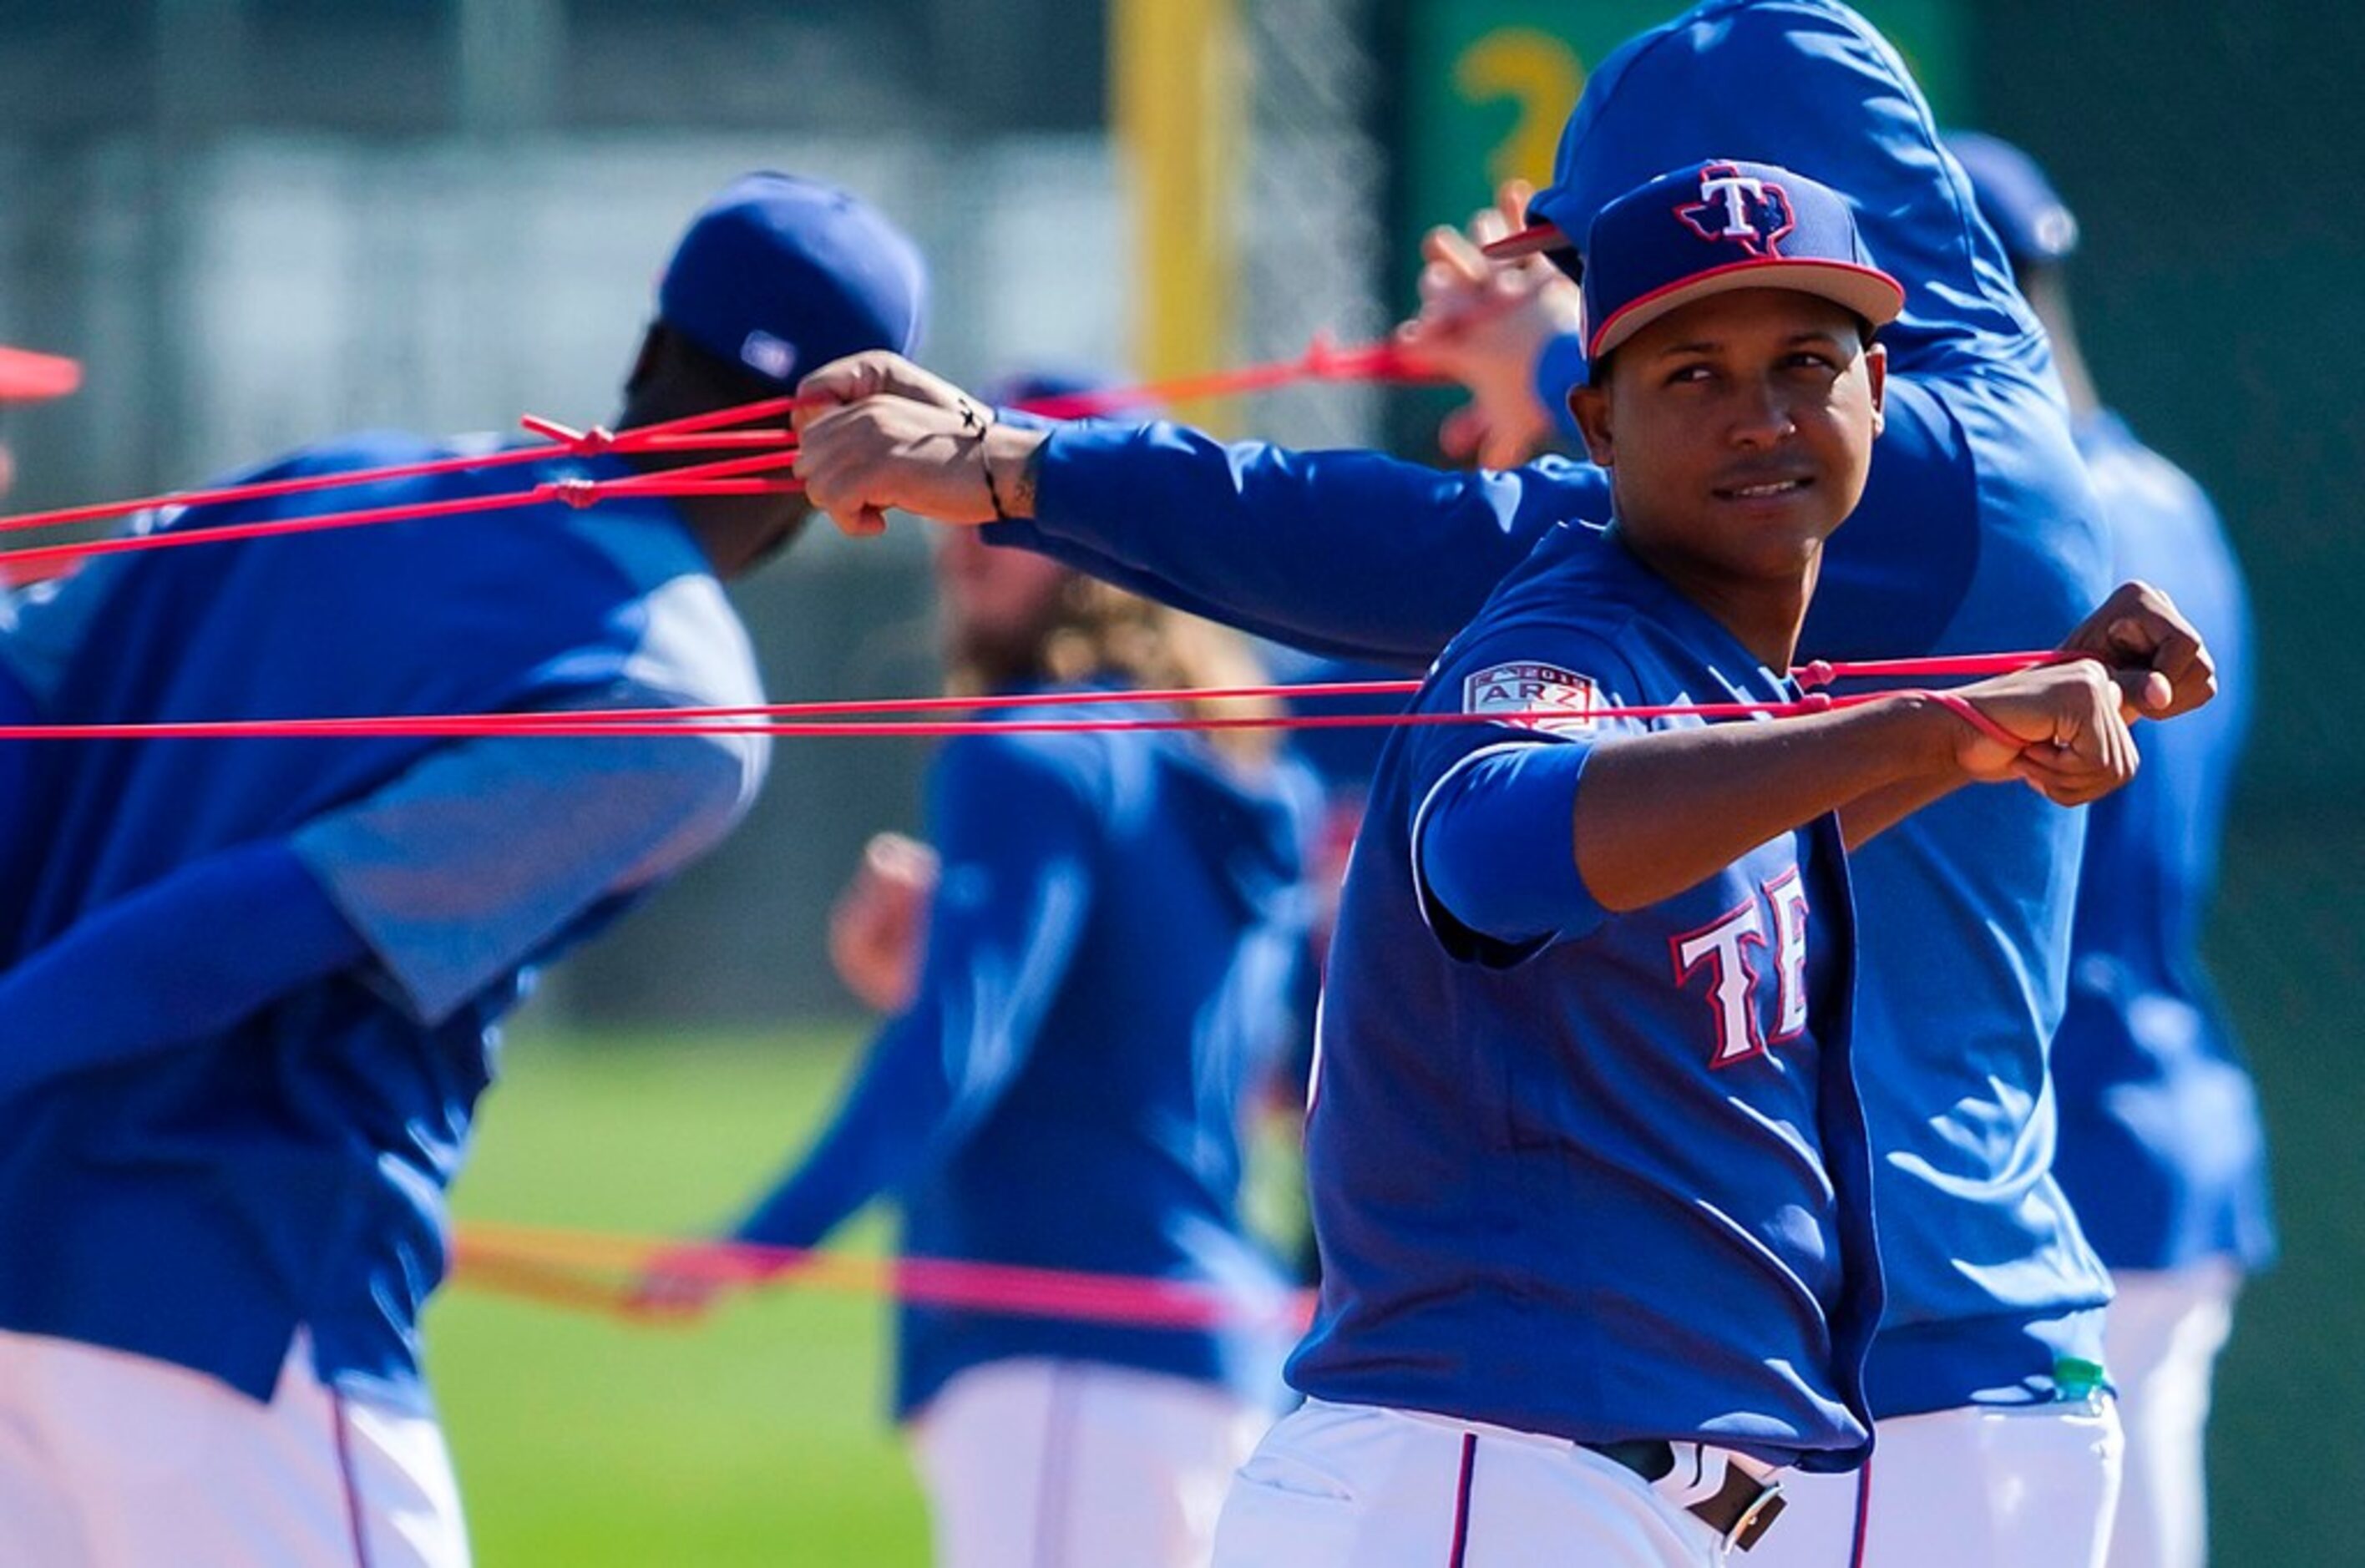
{"points": [[1090, 967], [1978, 533], [250, 986], [2161, 1147]]}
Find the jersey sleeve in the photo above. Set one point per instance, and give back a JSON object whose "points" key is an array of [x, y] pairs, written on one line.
{"points": [[1014, 829], [1347, 552], [482, 855], [1495, 803], [490, 854], [215, 941]]}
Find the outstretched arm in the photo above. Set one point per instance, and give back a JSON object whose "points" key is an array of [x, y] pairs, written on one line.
{"points": [[179, 961], [483, 856], [1015, 842], [1639, 818], [1349, 553]]}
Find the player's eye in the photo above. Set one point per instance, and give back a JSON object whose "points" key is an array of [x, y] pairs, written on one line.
{"points": [[1693, 373]]}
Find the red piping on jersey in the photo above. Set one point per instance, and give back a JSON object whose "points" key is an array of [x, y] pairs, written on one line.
{"points": [[356, 1517]]}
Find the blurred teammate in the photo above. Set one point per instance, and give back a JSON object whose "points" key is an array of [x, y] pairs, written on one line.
{"points": [[1587, 1157], [250, 985], [1977, 533], [2161, 1149], [1110, 957]]}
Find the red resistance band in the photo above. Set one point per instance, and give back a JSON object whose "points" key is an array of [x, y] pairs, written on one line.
{"points": [[605, 1272], [1322, 361], [732, 477], [806, 719]]}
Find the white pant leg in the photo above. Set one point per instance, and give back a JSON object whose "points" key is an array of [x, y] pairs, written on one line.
{"points": [[1039, 1463], [131, 1462], [2161, 1340], [1356, 1487], [1991, 1486]]}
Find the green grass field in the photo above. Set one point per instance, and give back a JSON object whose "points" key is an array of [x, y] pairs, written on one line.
{"points": [[757, 1436]]}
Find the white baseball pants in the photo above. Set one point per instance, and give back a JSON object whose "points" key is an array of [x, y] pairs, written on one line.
{"points": [[1040, 1463], [1359, 1486], [1983, 1486], [2161, 1340], [110, 1461]]}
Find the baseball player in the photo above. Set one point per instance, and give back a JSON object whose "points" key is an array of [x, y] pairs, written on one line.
{"points": [[1976, 533], [1110, 953], [250, 986], [1585, 1060], [2161, 1149]]}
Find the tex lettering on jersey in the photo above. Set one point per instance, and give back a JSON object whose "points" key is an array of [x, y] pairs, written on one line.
{"points": [[1762, 939], [1531, 696]]}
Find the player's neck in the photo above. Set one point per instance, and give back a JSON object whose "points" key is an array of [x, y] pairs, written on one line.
{"points": [[1764, 614]]}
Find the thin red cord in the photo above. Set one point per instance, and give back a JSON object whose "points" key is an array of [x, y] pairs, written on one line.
{"points": [[728, 476], [1321, 361], [769, 720], [589, 1269]]}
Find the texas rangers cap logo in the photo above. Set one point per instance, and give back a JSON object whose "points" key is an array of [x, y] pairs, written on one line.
{"points": [[1752, 213], [1538, 696]]}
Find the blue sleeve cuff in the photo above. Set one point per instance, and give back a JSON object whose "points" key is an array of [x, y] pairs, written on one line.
{"points": [[1494, 853], [1560, 368]]}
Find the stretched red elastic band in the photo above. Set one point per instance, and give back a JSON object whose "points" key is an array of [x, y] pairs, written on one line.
{"points": [[1968, 711], [603, 1271], [669, 436], [1321, 361], [768, 720], [730, 477]]}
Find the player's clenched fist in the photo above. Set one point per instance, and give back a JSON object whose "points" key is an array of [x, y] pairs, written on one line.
{"points": [[884, 433], [878, 924], [2139, 628], [2072, 719]]}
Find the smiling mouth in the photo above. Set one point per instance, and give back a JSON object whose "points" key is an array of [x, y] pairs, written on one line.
{"points": [[1764, 491]]}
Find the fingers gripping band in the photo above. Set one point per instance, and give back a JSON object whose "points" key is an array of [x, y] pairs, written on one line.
{"points": [[1968, 711]]}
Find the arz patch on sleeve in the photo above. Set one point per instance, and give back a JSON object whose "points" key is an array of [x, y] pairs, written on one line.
{"points": [[1541, 697]]}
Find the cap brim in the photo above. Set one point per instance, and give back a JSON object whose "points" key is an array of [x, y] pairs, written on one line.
{"points": [[1533, 240], [1869, 292], [29, 378]]}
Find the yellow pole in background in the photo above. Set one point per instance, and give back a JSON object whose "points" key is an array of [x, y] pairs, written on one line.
{"points": [[1180, 109]]}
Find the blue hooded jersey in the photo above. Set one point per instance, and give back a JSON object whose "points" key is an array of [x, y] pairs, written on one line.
{"points": [[1978, 533], [1544, 1137], [1115, 957], [198, 1198], [2161, 1147]]}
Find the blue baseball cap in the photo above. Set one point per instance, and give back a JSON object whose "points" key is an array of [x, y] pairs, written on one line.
{"points": [[2020, 204], [782, 276], [1718, 226]]}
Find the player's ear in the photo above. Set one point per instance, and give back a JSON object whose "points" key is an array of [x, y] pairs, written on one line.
{"points": [[1876, 371], [1589, 405], [644, 363]]}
